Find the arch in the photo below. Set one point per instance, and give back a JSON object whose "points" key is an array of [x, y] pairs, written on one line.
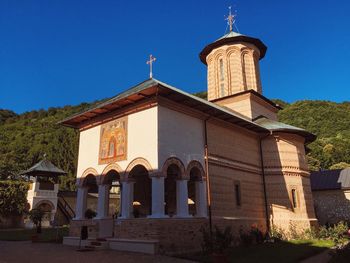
{"points": [[235, 77], [110, 167], [195, 164], [141, 190], [178, 163], [196, 188], [135, 162], [88, 171], [42, 202]]}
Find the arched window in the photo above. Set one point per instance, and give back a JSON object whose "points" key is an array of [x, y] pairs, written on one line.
{"points": [[249, 71], [294, 198], [221, 78], [221, 65]]}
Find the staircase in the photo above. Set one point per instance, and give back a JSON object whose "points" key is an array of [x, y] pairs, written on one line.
{"points": [[65, 208], [119, 244], [97, 244]]}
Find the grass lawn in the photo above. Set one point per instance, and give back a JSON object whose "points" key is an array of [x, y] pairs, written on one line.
{"points": [[291, 251], [47, 234]]}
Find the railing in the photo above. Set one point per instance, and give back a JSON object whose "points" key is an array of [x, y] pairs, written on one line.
{"points": [[65, 207]]}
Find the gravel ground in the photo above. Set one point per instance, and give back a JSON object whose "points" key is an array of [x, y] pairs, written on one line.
{"points": [[27, 252]]}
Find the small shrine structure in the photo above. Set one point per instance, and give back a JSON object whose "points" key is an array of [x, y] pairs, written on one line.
{"points": [[43, 189]]}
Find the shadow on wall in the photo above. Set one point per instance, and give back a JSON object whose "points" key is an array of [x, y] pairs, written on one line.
{"points": [[287, 186]]}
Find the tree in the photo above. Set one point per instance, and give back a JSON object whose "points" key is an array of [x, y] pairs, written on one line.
{"points": [[341, 165], [13, 197], [36, 215]]}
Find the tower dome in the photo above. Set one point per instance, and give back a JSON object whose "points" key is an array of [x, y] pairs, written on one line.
{"points": [[233, 65]]}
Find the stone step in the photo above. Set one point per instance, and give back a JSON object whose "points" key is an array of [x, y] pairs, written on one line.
{"points": [[134, 245]]}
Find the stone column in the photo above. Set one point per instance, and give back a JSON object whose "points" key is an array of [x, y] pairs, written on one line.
{"points": [[157, 198], [103, 201], [81, 203], [201, 199], [127, 199], [182, 198]]}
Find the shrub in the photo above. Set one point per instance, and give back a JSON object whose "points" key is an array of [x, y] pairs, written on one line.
{"points": [[254, 236], [13, 197], [36, 215], [89, 213], [218, 242], [337, 232], [277, 233]]}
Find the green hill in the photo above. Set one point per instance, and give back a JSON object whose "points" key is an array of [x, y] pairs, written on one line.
{"points": [[25, 138]]}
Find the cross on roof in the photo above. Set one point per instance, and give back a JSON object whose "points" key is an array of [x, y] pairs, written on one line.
{"points": [[231, 19], [150, 62]]}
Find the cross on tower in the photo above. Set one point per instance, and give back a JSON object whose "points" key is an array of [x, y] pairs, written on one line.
{"points": [[230, 19], [150, 62]]}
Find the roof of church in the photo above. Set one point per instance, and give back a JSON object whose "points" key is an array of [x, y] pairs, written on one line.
{"points": [[44, 168], [153, 88], [273, 125], [330, 179], [231, 38]]}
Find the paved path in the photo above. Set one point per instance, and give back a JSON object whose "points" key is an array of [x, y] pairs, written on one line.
{"points": [[322, 257], [27, 252]]}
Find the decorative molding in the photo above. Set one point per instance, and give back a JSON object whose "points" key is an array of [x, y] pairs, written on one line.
{"points": [[233, 164], [135, 162], [110, 167]]}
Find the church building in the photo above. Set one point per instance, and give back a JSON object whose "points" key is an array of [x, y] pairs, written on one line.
{"points": [[179, 160]]}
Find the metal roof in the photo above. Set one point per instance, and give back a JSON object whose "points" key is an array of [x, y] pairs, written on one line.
{"points": [[330, 179], [280, 126], [44, 168], [232, 38], [152, 88]]}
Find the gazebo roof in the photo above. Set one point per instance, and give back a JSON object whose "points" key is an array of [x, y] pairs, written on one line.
{"points": [[44, 168]]}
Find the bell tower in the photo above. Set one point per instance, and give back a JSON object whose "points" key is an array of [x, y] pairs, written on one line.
{"points": [[234, 76]]}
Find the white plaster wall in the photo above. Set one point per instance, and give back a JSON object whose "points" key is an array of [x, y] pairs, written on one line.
{"points": [[180, 136], [142, 142]]}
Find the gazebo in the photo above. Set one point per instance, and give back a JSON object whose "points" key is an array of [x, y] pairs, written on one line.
{"points": [[43, 189]]}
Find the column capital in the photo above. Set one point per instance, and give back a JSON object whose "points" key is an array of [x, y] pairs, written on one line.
{"points": [[157, 174], [127, 180]]}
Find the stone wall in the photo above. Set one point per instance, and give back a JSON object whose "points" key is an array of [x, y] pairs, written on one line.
{"points": [[332, 206], [76, 225], [175, 235]]}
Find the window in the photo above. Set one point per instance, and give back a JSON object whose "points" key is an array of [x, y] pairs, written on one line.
{"points": [[222, 89], [238, 194], [221, 64], [294, 198]]}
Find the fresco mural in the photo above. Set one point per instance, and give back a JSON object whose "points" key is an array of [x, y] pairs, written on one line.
{"points": [[113, 141]]}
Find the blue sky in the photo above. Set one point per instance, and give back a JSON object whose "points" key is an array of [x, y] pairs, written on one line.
{"points": [[63, 52]]}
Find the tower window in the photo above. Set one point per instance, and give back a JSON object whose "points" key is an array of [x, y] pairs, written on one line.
{"points": [[222, 89], [294, 198], [221, 64], [238, 194]]}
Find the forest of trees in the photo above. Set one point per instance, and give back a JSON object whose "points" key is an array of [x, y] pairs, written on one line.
{"points": [[25, 138]]}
